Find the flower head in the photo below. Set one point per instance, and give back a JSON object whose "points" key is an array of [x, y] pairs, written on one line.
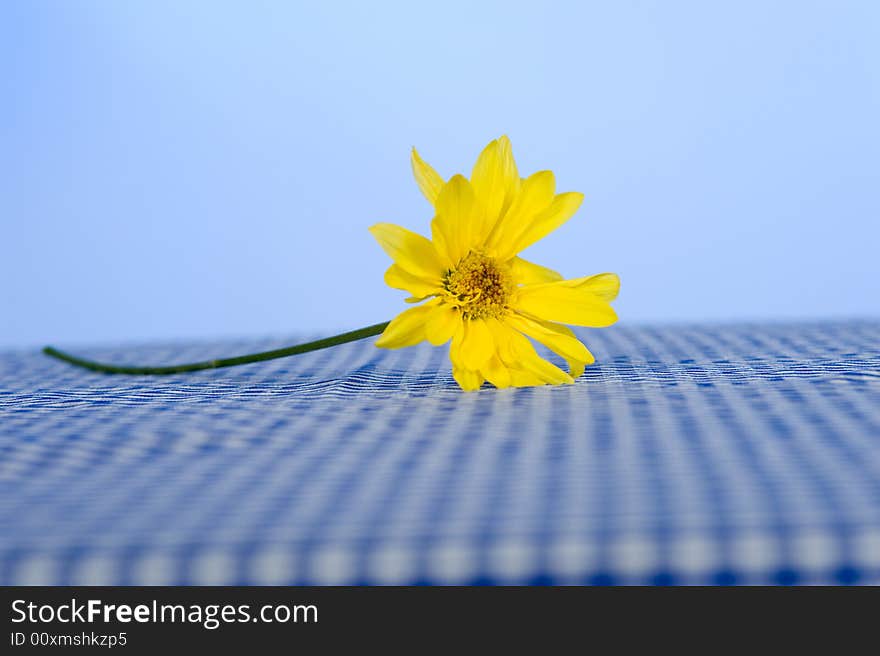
{"points": [[473, 287]]}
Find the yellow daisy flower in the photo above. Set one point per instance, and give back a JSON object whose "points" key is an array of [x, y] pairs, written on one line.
{"points": [[477, 291]]}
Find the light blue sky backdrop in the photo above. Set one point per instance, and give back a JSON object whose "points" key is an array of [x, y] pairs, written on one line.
{"points": [[185, 169]]}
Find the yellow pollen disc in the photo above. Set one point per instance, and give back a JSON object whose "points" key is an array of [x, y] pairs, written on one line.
{"points": [[480, 286]]}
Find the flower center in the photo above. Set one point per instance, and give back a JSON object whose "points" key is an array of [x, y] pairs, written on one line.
{"points": [[480, 286]]}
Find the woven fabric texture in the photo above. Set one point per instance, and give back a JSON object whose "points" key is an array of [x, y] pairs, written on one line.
{"points": [[741, 453]]}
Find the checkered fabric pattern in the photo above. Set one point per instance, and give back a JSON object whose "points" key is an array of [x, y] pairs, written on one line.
{"points": [[689, 454]]}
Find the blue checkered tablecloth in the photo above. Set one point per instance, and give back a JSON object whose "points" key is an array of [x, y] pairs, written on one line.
{"points": [[689, 454]]}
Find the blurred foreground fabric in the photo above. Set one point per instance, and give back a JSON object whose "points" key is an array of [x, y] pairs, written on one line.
{"points": [[741, 453]]}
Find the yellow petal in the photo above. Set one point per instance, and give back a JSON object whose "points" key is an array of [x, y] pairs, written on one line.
{"points": [[527, 367], [559, 339], [547, 372], [534, 197], [528, 273], [495, 179], [411, 251], [558, 212], [472, 344], [523, 378], [467, 379], [399, 278], [496, 373], [555, 301], [457, 223], [603, 285], [427, 178], [407, 328], [442, 324]]}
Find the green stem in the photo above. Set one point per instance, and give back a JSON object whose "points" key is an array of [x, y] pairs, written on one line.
{"points": [[327, 342]]}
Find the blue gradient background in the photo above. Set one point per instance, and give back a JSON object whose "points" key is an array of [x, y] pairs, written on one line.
{"points": [[184, 169]]}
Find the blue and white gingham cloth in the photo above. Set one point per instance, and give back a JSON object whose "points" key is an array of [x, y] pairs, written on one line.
{"points": [[688, 454]]}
